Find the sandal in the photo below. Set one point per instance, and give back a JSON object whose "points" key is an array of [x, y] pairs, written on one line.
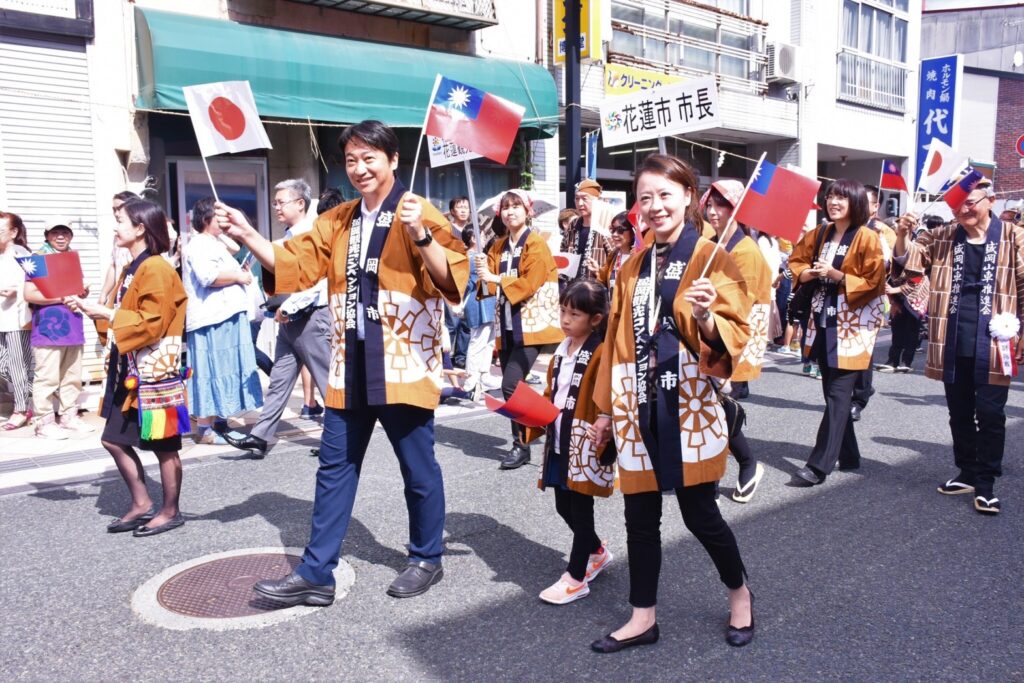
{"points": [[11, 424]]}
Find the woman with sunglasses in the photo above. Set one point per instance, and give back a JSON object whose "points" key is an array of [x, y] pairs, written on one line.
{"points": [[626, 241]]}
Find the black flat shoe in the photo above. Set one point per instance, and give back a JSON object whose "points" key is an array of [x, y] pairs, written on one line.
{"points": [[855, 413], [120, 525], [738, 637], [256, 446], [295, 590], [805, 476], [608, 644], [415, 579], [173, 523]]}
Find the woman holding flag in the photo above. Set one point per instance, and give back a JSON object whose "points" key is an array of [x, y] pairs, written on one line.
{"points": [[520, 270], [669, 329], [843, 260], [719, 203]]}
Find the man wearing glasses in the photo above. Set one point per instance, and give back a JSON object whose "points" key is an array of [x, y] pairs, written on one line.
{"points": [[975, 314], [303, 333]]}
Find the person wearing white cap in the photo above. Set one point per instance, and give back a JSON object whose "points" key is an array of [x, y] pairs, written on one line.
{"points": [[58, 335]]}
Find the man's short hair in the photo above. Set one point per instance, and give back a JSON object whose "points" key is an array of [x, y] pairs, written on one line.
{"points": [[374, 134], [329, 198], [872, 190], [299, 187], [456, 200]]}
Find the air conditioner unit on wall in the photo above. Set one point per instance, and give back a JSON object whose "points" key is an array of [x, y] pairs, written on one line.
{"points": [[781, 63]]}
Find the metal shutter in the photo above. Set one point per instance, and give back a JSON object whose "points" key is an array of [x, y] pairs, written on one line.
{"points": [[48, 159]]}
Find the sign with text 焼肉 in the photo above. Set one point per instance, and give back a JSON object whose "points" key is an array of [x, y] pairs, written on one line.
{"points": [[937, 105], [658, 112]]}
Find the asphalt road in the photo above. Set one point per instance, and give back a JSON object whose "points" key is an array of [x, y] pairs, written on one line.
{"points": [[871, 577]]}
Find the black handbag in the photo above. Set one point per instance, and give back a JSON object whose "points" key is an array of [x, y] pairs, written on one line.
{"points": [[799, 306]]}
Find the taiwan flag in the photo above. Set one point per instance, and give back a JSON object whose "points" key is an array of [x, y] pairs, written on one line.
{"points": [[957, 194], [891, 177], [474, 119], [777, 201], [55, 275], [524, 406]]}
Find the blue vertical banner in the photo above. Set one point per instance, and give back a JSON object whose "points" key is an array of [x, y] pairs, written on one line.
{"points": [[591, 154], [938, 101]]}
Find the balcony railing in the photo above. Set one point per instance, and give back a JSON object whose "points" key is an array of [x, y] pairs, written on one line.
{"points": [[691, 40], [871, 82], [464, 14]]}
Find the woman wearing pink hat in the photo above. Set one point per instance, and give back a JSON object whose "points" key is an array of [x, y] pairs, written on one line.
{"points": [[520, 270], [718, 203]]}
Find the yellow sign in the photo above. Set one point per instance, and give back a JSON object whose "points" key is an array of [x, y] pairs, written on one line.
{"points": [[623, 80], [590, 30]]}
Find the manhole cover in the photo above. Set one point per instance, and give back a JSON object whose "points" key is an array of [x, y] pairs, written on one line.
{"points": [[215, 591], [223, 588]]}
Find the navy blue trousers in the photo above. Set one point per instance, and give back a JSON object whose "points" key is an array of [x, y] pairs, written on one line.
{"points": [[343, 446]]}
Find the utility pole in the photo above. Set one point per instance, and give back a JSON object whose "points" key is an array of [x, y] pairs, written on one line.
{"points": [[572, 130]]}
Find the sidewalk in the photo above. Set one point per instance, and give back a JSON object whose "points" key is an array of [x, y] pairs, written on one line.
{"points": [[27, 461]]}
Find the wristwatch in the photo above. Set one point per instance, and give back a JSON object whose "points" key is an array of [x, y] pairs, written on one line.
{"points": [[428, 237], [702, 318]]}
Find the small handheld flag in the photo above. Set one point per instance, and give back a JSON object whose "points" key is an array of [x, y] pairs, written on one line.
{"points": [[55, 275], [956, 195], [891, 178], [524, 406], [225, 118], [777, 201], [477, 120], [941, 165]]}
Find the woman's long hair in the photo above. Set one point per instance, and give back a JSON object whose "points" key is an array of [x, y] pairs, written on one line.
{"points": [[18, 226], [856, 194], [153, 219]]}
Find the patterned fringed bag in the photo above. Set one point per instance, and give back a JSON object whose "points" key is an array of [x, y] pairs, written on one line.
{"points": [[160, 387]]}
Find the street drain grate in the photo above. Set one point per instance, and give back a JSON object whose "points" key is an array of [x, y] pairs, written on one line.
{"points": [[222, 588], [215, 591]]}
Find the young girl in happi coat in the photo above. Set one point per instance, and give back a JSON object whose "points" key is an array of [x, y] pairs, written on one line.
{"points": [[573, 467], [520, 270]]}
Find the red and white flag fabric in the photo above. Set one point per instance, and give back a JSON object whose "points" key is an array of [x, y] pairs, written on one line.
{"points": [[474, 119], [891, 178], [942, 164], [225, 118], [777, 201]]}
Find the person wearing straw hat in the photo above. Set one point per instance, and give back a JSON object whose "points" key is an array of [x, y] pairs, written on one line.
{"points": [[390, 260], [975, 317]]}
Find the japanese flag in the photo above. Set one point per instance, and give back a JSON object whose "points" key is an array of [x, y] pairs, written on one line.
{"points": [[225, 118], [942, 164]]}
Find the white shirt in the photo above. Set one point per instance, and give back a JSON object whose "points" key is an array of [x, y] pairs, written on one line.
{"points": [[563, 381], [207, 258], [14, 312]]}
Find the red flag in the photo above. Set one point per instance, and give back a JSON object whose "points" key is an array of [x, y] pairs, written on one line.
{"points": [[957, 194], [477, 120], [524, 406], [777, 201], [55, 275], [891, 178]]}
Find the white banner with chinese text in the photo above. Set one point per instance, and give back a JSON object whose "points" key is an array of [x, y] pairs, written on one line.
{"points": [[658, 112], [443, 152]]}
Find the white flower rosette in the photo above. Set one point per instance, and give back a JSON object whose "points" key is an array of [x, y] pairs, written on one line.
{"points": [[1004, 328]]}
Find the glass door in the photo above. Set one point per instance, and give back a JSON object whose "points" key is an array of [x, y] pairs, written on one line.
{"points": [[241, 183]]}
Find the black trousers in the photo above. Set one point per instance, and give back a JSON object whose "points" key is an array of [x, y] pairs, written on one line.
{"points": [[740, 447], [906, 337], [704, 520], [977, 420], [515, 361], [836, 440], [577, 509], [863, 388]]}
